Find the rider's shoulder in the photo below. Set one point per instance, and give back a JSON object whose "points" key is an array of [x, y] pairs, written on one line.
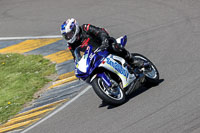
{"points": [[86, 27]]}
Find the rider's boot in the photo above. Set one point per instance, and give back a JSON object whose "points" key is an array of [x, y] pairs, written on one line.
{"points": [[130, 69], [134, 62]]}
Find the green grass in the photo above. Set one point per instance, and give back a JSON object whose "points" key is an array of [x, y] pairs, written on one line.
{"points": [[20, 77]]}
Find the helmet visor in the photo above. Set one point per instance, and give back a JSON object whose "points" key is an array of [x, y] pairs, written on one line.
{"points": [[70, 34]]}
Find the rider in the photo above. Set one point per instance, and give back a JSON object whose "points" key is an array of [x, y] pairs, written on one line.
{"points": [[76, 35]]}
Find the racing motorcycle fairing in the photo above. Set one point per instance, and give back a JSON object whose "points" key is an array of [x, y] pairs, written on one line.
{"points": [[117, 65], [86, 61]]}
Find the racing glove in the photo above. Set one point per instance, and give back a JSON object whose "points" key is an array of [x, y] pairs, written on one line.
{"points": [[104, 44]]}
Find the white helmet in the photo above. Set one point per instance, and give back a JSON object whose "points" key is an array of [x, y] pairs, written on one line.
{"points": [[69, 30]]}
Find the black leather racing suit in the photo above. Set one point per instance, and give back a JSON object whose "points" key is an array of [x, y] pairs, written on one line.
{"points": [[98, 37]]}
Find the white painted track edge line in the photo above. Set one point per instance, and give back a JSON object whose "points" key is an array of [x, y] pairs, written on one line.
{"points": [[29, 37], [57, 110]]}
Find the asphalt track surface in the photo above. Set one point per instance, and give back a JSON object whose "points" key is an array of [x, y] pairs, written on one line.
{"points": [[168, 32]]}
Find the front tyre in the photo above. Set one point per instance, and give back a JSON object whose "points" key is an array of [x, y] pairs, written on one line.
{"points": [[113, 96]]}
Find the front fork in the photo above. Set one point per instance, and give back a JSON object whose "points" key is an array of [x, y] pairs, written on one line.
{"points": [[104, 77]]}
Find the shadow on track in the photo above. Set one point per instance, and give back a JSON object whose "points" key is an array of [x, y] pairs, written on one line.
{"points": [[134, 94]]}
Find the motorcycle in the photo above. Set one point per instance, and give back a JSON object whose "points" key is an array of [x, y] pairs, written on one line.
{"points": [[111, 77]]}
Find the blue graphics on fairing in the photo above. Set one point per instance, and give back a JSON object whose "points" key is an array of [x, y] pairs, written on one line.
{"points": [[118, 67], [92, 60]]}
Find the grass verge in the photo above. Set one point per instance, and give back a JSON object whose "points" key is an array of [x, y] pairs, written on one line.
{"points": [[20, 77]]}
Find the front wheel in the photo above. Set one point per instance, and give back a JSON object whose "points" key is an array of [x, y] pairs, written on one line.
{"points": [[111, 95], [151, 73]]}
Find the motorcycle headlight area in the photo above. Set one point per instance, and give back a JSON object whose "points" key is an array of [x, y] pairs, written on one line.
{"points": [[82, 64]]}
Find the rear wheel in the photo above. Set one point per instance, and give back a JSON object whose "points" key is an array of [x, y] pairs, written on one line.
{"points": [[151, 72], [111, 95]]}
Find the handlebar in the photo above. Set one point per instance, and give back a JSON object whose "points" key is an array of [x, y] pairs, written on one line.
{"points": [[97, 50]]}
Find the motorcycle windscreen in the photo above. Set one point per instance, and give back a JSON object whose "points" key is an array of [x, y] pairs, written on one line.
{"points": [[81, 54], [82, 64]]}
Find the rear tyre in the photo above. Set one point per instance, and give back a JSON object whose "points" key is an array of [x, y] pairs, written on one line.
{"points": [[113, 96], [151, 73]]}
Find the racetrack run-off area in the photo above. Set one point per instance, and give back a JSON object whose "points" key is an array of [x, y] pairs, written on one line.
{"points": [[165, 31], [56, 94]]}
